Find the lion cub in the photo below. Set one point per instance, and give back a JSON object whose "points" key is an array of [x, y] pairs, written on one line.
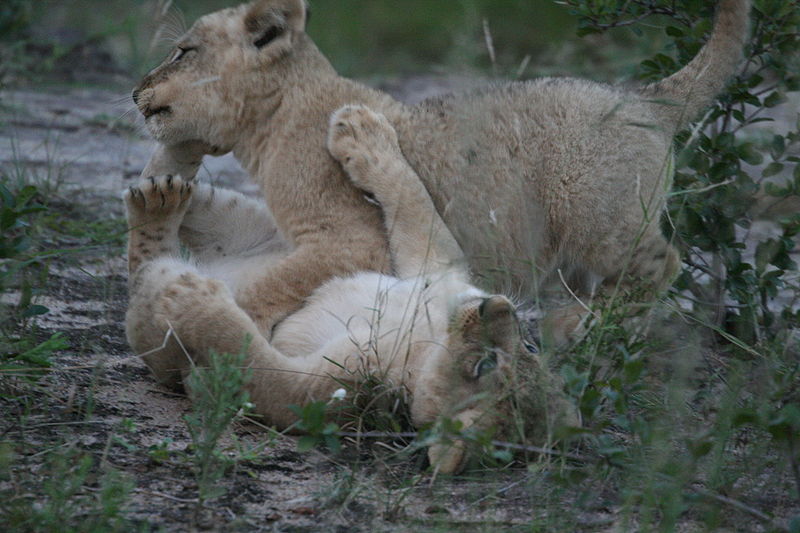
{"points": [[457, 351], [535, 179]]}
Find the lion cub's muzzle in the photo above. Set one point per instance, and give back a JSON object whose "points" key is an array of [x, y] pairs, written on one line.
{"points": [[143, 99]]}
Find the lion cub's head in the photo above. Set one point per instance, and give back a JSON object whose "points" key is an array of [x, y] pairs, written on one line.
{"points": [[227, 65], [488, 376]]}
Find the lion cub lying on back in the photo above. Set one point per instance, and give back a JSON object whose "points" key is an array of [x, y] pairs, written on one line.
{"points": [[456, 350]]}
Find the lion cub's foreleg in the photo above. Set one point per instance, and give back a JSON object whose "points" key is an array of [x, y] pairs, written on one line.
{"points": [[155, 210], [637, 274], [366, 145]]}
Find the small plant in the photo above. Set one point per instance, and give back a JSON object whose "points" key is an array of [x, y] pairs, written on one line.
{"points": [[16, 208], [218, 398], [21, 268], [71, 500], [313, 420]]}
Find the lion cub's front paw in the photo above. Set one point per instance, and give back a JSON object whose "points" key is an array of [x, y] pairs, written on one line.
{"points": [[162, 198], [362, 140]]}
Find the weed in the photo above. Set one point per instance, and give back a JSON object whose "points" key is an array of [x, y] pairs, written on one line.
{"points": [[312, 419], [71, 499], [21, 268], [218, 398]]}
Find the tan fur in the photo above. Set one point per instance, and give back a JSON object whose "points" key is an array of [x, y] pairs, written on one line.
{"points": [[531, 177], [427, 332]]}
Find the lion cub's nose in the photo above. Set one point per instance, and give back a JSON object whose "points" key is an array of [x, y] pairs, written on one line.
{"points": [[495, 306], [135, 96]]}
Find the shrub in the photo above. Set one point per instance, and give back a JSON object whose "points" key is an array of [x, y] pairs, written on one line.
{"points": [[671, 431]]}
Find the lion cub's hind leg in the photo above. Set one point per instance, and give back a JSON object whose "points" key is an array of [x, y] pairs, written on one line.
{"points": [[155, 210], [150, 332]]}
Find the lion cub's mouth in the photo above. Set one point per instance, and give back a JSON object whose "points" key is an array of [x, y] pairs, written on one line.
{"points": [[149, 112]]}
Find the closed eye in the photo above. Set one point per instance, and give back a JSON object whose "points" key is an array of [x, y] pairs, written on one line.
{"points": [[180, 52], [270, 35]]}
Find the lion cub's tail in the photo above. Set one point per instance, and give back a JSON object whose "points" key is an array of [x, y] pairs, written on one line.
{"points": [[682, 96]]}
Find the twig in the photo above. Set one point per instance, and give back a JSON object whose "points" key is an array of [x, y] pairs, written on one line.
{"points": [[635, 20], [704, 189], [572, 293], [501, 490], [167, 496], [498, 443], [543, 451], [736, 504], [76, 423]]}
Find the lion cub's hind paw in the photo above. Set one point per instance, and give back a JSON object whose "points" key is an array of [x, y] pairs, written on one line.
{"points": [[360, 139], [159, 197]]}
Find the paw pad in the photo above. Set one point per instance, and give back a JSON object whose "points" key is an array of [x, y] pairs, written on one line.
{"points": [[159, 195]]}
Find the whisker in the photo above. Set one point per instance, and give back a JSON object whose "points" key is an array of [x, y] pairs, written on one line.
{"points": [[205, 81], [163, 7], [168, 24], [120, 100], [127, 113]]}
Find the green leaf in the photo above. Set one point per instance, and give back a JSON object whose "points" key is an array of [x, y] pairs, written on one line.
{"points": [[674, 31], [772, 169], [306, 443], [40, 354], [748, 153], [700, 449], [777, 146], [774, 190], [34, 310], [332, 442], [774, 99], [744, 416]]}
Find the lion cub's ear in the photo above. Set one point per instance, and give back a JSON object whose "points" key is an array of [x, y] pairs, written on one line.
{"points": [[269, 24]]}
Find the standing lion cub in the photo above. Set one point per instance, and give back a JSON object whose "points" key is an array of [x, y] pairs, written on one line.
{"points": [[535, 179], [456, 351]]}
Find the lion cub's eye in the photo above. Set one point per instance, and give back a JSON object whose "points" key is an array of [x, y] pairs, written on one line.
{"points": [[485, 365], [179, 53], [530, 347]]}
